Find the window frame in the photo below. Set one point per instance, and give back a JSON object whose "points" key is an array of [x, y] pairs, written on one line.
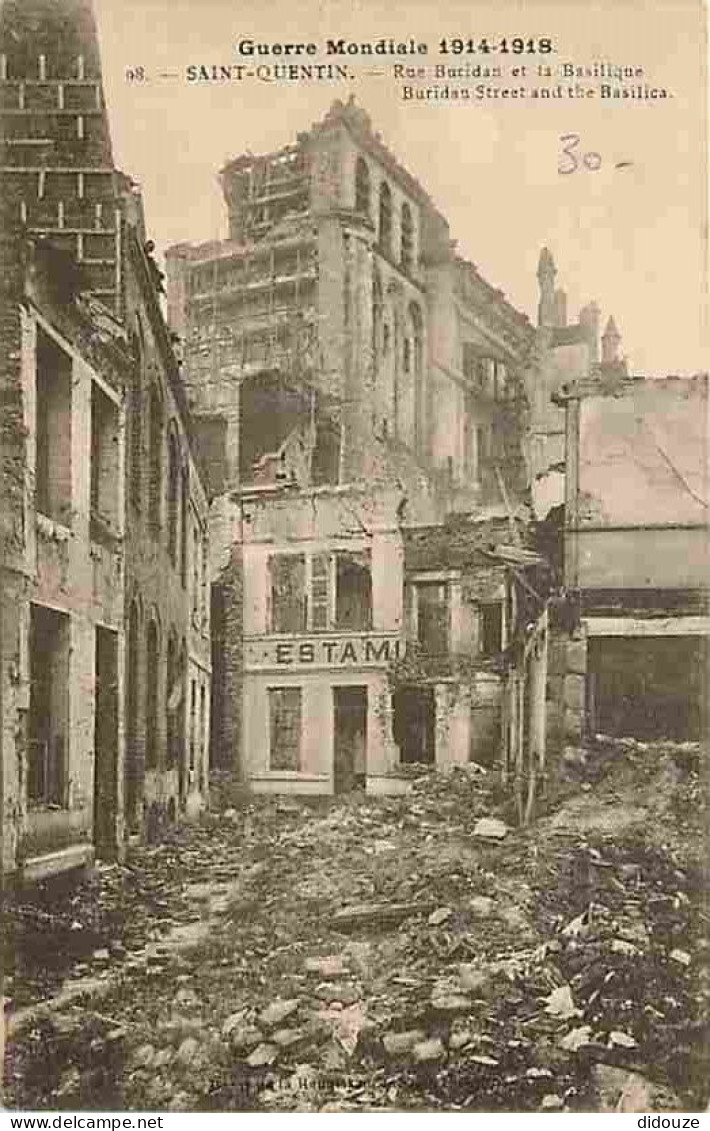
{"points": [[330, 601], [282, 691]]}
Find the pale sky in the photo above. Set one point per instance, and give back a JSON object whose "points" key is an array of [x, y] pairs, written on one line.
{"points": [[632, 238]]}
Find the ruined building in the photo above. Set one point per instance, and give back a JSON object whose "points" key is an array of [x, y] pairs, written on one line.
{"points": [[104, 621], [358, 391], [636, 551]]}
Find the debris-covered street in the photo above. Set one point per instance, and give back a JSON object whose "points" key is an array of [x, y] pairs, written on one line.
{"points": [[416, 952]]}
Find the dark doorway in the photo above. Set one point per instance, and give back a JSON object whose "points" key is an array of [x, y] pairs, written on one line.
{"points": [[414, 715], [349, 737], [106, 743], [134, 759]]}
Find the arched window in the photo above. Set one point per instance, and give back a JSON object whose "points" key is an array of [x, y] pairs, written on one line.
{"points": [[407, 239], [156, 458], [174, 501], [152, 660], [362, 187], [385, 226]]}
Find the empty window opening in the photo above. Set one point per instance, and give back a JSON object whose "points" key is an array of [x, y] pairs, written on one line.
{"points": [[152, 698], [285, 728], [433, 617], [385, 225], [491, 628], [362, 187], [49, 708], [184, 508], [194, 737], [174, 704], [353, 590], [173, 497], [407, 239], [288, 592], [413, 723], [53, 388], [104, 460], [136, 422], [203, 736], [133, 773], [156, 459], [106, 742]]}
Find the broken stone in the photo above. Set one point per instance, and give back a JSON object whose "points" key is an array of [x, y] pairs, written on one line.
{"points": [[426, 1051], [489, 1060], [482, 905], [490, 828], [399, 1044], [551, 1102], [144, 1056], [244, 1037], [186, 997], [233, 1021], [439, 916], [337, 991], [262, 1056], [163, 1058], [621, 1040], [620, 1090], [451, 1003], [460, 1038], [560, 1003], [332, 966], [514, 918], [620, 946], [577, 926], [103, 954], [187, 1053], [576, 1038], [199, 892], [277, 1012], [680, 956], [284, 1038], [370, 914]]}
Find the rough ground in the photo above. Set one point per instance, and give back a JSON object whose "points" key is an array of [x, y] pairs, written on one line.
{"points": [[378, 954]]}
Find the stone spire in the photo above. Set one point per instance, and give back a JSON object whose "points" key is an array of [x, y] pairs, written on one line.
{"points": [[611, 339], [546, 272]]}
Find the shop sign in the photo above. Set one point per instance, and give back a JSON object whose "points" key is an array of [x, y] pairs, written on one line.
{"points": [[369, 650]]}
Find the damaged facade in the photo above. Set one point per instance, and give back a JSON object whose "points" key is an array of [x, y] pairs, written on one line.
{"points": [[355, 382], [636, 551], [104, 627]]}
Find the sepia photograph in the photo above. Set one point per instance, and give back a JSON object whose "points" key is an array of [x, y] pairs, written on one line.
{"points": [[354, 558]]}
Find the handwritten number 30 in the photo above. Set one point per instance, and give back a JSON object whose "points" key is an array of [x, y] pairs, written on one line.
{"points": [[590, 160]]}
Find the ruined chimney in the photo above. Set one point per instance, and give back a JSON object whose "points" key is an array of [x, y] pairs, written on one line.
{"points": [[611, 339], [589, 320], [560, 307], [546, 272]]}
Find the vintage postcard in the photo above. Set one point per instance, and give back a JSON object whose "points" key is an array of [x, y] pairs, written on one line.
{"points": [[353, 557]]}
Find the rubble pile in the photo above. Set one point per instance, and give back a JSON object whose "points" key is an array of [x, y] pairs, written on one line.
{"points": [[401, 953]]}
